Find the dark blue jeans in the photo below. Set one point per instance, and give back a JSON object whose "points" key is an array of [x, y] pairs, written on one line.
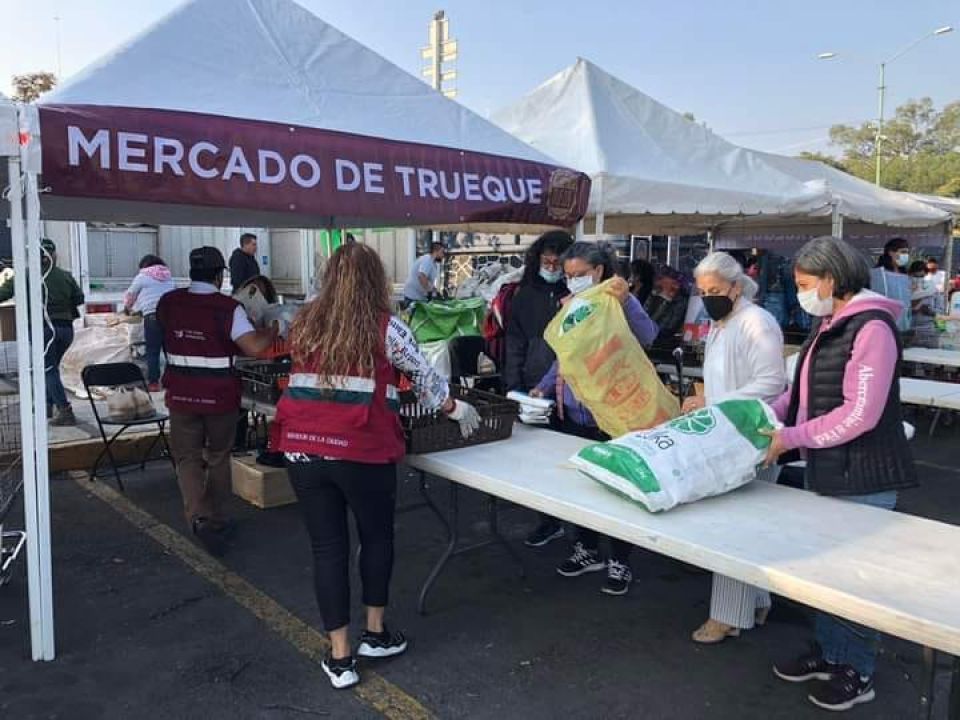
{"points": [[153, 335], [844, 642], [62, 338]]}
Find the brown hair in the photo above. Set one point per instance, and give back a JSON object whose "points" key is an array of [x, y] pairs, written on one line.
{"points": [[341, 331]]}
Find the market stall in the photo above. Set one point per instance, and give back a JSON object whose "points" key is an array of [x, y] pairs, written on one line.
{"points": [[259, 113]]}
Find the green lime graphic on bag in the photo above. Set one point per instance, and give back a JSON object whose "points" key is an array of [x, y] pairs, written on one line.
{"points": [[707, 452], [578, 311], [699, 422]]}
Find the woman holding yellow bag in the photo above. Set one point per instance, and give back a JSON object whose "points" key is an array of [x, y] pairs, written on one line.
{"points": [[585, 265]]}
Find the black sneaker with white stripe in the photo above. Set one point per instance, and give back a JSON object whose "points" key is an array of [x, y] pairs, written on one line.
{"points": [[581, 561], [805, 668], [342, 672], [619, 577], [844, 690], [381, 645]]}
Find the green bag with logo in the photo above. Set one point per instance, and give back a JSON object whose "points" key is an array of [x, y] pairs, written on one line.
{"points": [[446, 319], [703, 453]]}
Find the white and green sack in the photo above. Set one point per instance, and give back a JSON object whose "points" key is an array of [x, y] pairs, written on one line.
{"points": [[703, 453]]}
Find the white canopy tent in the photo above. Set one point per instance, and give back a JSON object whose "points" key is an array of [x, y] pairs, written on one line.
{"points": [[657, 172], [260, 107], [256, 113], [653, 170]]}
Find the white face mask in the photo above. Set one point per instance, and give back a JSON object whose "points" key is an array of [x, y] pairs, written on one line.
{"points": [[815, 305], [578, 284]]}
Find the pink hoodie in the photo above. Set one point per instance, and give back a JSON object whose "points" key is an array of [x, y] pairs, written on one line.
{"points": [[866, 381]]}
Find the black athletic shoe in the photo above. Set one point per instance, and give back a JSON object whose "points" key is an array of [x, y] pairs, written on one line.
{"points": [[381, 645], [342, 673], [805, 668], [582, 561], [843, 691], [545, 534], [210, 536], [619, 577]]}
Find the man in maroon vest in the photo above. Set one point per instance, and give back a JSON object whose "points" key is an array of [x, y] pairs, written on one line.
{"points": [[202, 332]]}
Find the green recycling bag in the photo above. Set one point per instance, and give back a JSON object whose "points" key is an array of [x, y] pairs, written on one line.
{"points": [[706, 452], [446, 319]]}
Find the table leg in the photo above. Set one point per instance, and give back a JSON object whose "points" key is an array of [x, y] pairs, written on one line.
{"points": [[453, 537], [928, 683], [953, 713], [504, 543]]}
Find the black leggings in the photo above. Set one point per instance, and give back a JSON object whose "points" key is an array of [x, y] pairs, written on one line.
{"points": [[325, 489]]}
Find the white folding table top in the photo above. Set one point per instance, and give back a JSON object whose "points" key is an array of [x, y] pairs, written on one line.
{"points": [[932, 356], [891, 571], [932, 393]]}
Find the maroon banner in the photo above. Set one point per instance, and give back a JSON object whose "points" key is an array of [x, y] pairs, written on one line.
{"points": [[184, 158]]}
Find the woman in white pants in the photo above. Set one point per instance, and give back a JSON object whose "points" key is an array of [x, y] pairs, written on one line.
{"points": [[743, 359]]}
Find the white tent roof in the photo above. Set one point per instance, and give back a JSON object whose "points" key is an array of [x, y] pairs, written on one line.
{"points": [[268, 74], [272, 60], [860, 200], [947, 204], [649, 159], [653, 169]]}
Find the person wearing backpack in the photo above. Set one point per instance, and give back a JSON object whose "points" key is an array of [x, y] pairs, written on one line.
{"points": [[528, 357]]}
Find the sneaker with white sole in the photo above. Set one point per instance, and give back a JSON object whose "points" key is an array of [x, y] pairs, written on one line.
{"points": [[381, 645], [619, 577], [342, 673], [843, 691], [581, 561], [805, 668]]}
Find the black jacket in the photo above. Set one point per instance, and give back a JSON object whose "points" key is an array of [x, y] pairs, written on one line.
{"points": [[242, 268], [528, 357], [876, 461]]}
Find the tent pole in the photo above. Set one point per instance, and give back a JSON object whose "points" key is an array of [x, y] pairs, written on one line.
{"points": [[39, 587], [948, 266], [710, 240], [598, 230], [837, 221], [579, 231], [40, 442]]}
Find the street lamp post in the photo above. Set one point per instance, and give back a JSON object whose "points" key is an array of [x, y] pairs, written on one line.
{"points": [[882, 89]]}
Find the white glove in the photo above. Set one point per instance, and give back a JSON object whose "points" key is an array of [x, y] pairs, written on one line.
{"points": [[468, 417]]}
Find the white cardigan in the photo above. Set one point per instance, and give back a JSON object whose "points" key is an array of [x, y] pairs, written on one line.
{"points": [[744, 356]]}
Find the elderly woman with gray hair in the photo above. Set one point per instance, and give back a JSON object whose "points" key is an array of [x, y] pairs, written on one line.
{"points": [[843, 414], [743, 359]]}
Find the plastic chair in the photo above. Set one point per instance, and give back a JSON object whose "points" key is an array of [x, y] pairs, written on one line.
{"points": [[121, 375]]}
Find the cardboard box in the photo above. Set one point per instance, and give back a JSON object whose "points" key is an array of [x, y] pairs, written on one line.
{"points": [[260, 485], [8, 322]]}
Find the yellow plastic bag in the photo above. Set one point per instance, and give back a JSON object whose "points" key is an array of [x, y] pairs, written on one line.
{"points": [[606, 367]]}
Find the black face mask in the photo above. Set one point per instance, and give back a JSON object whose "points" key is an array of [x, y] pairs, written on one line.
{"points": [[717, 306]]}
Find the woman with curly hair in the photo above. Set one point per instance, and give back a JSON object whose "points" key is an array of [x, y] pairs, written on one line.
{"points": [[340, 430]]}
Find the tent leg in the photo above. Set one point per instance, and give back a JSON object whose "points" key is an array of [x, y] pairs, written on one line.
{"points": [[579, 232], [837, 224], [33, 426]]}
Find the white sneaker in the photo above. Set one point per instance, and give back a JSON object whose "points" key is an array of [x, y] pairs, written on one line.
{"points": [[342, 673]]}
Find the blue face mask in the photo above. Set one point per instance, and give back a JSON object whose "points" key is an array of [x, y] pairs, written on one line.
{"points": [[551, 276]]}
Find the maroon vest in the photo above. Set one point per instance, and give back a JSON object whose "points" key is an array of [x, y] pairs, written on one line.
{"points": [[348, 418], [199, 377]]}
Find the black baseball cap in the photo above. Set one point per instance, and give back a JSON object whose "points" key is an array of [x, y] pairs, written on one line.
{"points": [[206, 258]]}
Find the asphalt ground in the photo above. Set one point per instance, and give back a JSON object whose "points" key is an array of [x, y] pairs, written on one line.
{"points": [[148, 626]]}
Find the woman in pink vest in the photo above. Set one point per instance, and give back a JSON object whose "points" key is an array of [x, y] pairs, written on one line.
{"points": [[340, 430]]}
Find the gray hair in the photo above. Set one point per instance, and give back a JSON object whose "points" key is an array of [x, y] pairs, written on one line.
{"points": [[838, 259], [726, 267]]}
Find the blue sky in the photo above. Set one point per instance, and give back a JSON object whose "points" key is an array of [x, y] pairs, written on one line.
{"points": [[746, 68]]}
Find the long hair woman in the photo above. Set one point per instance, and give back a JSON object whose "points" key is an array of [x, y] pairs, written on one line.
{"points": [[340, 430]]}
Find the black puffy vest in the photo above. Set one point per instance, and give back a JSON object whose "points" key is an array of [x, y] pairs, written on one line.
{"points": [[876, 461]]}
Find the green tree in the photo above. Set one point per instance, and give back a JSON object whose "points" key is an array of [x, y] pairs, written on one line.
{"points": [[920, 148], [27, 88], [825, 159]]}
